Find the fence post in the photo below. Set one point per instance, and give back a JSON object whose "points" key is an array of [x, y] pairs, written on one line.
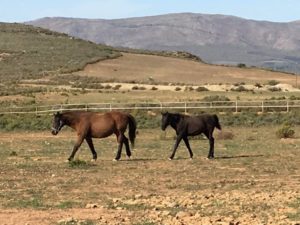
{"points": [[262, 106], [86, 107], [287, 106], [185, 107], [236, 106], [110, 107]]}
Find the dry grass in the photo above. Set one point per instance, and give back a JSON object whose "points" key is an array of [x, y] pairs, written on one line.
{"points": [[254, 179], [141, 68]]}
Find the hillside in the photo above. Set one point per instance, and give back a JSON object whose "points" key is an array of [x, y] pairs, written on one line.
{"points": [[216, 39], [141, 68], [29, 52]]}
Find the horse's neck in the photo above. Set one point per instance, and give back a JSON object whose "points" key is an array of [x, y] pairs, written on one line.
{"points": [[175, 121], [71, 119]]}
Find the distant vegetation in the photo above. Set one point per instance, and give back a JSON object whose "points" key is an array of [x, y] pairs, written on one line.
{"points": [[29, 52], [174, 54]]}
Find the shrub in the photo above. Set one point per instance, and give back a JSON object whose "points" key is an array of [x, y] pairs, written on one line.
{"points": [[177, 89], [213, 98], [273, 89], [201, 89], [117, 87], [154, 88], [239, 89], [258, 85], [285, 131], [241, 65], [273, 82]]}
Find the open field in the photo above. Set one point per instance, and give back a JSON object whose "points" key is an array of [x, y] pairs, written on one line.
{"points": [[253, 180], [141, 68]]}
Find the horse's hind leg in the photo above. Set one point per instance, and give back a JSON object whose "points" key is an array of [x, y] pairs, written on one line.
{"points": [[120, 138], [91, 145], [126, 142], [186, 141]]}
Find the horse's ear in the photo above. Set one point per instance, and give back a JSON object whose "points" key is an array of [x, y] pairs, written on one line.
{"points": [[164, 113]]}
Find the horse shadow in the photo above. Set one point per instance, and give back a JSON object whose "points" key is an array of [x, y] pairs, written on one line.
{"points": [[239, 156]]}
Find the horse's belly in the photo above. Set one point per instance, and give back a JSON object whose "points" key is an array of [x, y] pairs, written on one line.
{"points": [[101, 133]]}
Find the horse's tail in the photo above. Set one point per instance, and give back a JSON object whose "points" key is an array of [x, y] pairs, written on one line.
{"points": [[217, 124], [132, 129]]}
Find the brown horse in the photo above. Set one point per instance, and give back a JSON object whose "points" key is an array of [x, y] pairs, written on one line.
{"points": [[90, 125]]}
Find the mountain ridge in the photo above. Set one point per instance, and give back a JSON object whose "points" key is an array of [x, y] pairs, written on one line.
{"points": [[218, 39]]}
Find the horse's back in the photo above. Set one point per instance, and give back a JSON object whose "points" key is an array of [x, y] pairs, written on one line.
{"points": [[104, 124]]}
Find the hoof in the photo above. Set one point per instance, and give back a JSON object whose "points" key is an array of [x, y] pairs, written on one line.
{"points": [[128, 157], [170, 158], [191, 158], [115, 160], [93, 160]]}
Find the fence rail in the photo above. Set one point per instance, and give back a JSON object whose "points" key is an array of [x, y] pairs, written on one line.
{"points": [[234, 106]]}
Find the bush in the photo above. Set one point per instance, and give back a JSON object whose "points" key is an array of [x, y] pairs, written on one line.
{"points": [[201, 89], [258, 85], [213, 98], [177, 89], [274, 89], [241, 65], [239, 89], [285, 131], [273, 82]]}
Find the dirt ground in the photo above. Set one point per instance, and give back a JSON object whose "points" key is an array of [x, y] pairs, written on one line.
{"points": [[254, 179]]}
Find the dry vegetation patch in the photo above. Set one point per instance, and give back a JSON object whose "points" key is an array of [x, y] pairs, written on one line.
{"points": [[253, 180]]}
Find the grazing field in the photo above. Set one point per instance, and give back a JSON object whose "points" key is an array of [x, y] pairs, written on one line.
{"points": [[253, 180], [141, 68]]}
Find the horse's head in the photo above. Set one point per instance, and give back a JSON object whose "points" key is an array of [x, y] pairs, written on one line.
{"points": [[165, 120], [57, 123]]}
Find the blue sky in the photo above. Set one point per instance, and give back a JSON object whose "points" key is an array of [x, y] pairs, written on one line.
{"points": [[25, 10]]}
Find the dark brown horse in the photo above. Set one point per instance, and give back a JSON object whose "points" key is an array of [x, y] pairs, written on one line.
{"points": [[190, 126], [90, 125]]}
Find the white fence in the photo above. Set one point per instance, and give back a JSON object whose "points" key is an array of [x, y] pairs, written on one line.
{"points": [[234, 106]]}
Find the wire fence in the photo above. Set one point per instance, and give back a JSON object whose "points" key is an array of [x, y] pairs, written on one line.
{"points": [[232, 106]]}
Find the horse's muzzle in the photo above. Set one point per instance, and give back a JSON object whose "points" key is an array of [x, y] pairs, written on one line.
{"points": [[54, 131]]}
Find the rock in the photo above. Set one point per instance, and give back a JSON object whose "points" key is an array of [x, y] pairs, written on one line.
{"points": [[67, 221], [115, 200], [183, 214], [138, 196], [91, 206]]}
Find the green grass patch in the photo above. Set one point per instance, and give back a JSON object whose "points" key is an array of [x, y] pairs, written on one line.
{"points": [[80, 164]]}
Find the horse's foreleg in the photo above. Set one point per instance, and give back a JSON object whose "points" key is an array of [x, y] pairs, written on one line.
{"points": [[120, 139], [76, 147], [211, 148], [209, 135], [178, 139], [186, 141], [128, 152], [91, 145]]}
